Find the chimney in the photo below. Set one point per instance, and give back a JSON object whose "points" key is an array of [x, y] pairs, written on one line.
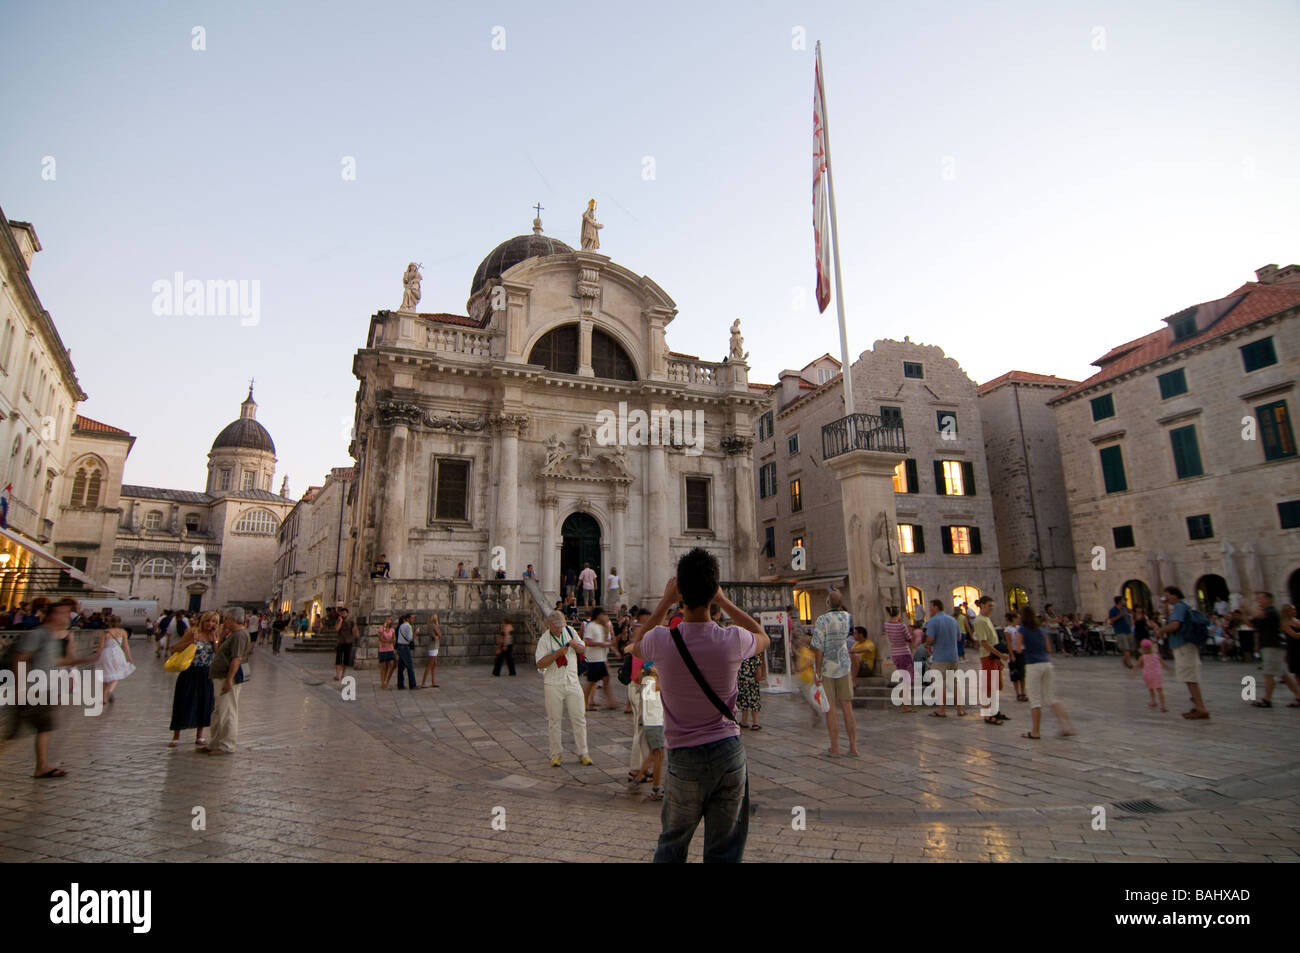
{"points": [[1289, 275], [789, 392], [1265, 275]]}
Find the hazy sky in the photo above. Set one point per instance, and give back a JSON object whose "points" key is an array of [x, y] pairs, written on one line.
{"points": [[1024, 184]]}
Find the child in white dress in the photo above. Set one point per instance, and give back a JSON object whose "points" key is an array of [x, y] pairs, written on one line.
{"points": [[113, 657]]}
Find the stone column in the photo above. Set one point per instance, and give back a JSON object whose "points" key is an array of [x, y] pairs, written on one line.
{"points": [[866, 488], [740, 467], [550, 584], [505, 521], [618, 503], [657, 528], [393, 532], [584, 347]]}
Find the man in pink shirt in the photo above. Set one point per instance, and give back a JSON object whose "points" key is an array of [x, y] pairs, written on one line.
{"points": [[707, 778], [587, 580]]}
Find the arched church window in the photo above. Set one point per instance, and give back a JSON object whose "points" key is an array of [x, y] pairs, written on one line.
{"points": [[257, 522], [608, 359], [558, 350], [158, 566]]}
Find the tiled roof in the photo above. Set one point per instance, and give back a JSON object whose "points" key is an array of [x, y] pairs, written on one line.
{"points": [[265, 496], [171, 496], [1023, 377], [94, 426], [460, 319], [1257, 301], [754, 385], [689, 357]]}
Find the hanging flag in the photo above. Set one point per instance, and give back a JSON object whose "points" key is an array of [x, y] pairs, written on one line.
{"points": [[821, 228]]}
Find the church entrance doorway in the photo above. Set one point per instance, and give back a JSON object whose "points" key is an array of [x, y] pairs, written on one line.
{"points": [[581, 545]]}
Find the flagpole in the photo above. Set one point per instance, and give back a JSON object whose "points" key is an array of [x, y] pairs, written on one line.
{"points": [[845, 368]]}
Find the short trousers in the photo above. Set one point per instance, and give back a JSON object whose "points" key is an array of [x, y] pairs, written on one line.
{"points": [[838, 689], [433, 653], [387, 656], [1039, 684], [343, 654], [1274, 662], [1124, 642], [1016, 669], [1187, 663], [596, 671], [654, 736], [40, 717], [943, 666]]}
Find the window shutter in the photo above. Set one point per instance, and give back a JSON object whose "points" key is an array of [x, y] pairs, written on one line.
{"points": [[913, 482], [918, 538], [968, 476], [938, 478], [975, 546], [945, 537]]}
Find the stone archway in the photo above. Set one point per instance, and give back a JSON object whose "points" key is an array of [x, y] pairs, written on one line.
{"points": [[580, 544], [1209, 590], [1137, 595]]}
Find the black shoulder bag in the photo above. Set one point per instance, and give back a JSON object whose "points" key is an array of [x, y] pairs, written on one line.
{"points": [[699, 678]]}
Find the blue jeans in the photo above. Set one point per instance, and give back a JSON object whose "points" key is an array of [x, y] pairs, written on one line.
{"points": [[404, 664], [711, 783]]}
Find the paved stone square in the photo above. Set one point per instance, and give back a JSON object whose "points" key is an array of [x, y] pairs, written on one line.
{"points": [[420, 776]]}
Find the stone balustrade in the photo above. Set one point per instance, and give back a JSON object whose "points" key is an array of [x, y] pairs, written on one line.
{"points": [[695, 373]]}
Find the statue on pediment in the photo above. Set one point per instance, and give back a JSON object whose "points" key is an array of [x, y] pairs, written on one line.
{"points": [[411, 286], [556, 453], [590, 228], [738, 352]]}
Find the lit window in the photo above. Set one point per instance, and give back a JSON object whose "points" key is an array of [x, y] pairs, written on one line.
{"points": [[954, 483], [965, 595], [803, 605], [1275, 431], [796, 497], [905, 540], [960, 540], [900, 478]]}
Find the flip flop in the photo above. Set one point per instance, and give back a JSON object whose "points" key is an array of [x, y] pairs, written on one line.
{"points": [[1067, 734], [1032, 737], [937, 714], [756, 727], [833, 754], [53, 773], [172, 744]]}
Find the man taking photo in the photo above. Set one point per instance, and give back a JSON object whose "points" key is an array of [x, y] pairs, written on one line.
{"points": [[698, 662]]}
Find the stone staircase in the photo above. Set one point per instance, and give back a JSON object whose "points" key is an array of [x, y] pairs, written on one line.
{"points": [[872, 693]]}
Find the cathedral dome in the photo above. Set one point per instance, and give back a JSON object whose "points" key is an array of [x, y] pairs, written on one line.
{"points": [[510, 253], [245, 433]]}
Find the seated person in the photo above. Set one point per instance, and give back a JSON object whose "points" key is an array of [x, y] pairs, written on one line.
{"points": [[381, 567], [864, 651]]}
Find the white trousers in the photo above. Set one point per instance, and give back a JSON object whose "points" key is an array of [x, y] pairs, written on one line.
{"points": [[225, 717], [567, 694]]}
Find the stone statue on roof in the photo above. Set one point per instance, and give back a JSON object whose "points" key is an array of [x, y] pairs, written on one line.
{"points": [[590, 227], [738, 352], [411, 286]]}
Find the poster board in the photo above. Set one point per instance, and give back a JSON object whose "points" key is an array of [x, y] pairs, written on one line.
{"points": [[777, 626]]}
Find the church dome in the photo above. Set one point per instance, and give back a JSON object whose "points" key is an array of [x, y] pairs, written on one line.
{"points": [[245, 433], [510, 253]]}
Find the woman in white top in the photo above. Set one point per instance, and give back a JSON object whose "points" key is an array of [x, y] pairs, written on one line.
{"points": [[431, 666], [613, 589]]}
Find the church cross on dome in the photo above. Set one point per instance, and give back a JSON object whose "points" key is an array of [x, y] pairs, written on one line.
{"points": [[537, 222]]}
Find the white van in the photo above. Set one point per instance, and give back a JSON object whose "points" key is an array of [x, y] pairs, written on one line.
{"points": [[132, 612]]}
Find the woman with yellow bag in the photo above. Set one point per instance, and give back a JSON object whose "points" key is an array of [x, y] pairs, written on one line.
{"points": [[191, 656]]}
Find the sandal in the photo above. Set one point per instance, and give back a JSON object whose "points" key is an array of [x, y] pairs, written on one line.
{"points": [[1031, 737], [937, 714], [1262, 703], [172, 744], [53, 773], [756, 727]]}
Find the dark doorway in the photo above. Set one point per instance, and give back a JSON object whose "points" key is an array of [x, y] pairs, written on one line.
{"points": [[1137, 595], [196, 601], [1209, 590], [581, 544]]}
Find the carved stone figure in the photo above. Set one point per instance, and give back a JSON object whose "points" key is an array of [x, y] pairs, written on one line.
{"points": [[616, 460], [411, 284], [590, 227], [882, 558], [738, 352], [556, 454], [585, 435]]}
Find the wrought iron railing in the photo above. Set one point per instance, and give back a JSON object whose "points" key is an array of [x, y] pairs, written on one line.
{"points": [[862, 432]]}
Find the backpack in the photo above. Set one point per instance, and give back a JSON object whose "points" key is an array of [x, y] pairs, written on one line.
{"points": [[1197, 626]]}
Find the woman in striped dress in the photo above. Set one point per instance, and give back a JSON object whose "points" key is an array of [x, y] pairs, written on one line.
{"points": [[900, 649]]}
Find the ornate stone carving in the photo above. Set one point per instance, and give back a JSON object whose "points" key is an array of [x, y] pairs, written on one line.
{"points": [[557, 452], [509, 424], [404, 412], [737, 443], [585, 436], [411, 287], [550, 501], [459, 424], [882, 558], [616, 460], [583, 505]]}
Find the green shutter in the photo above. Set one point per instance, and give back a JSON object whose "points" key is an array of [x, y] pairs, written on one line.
{"points": [[1187, 455], [968, 477], [918, 537], [975, 546], [945, 537], [939, 486], [1112, 469], [913, 481]]}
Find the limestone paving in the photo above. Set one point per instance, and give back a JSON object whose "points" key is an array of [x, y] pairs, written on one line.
{"points": [[433, 775]]}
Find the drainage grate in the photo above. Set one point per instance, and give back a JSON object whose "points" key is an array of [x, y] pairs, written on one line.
{"points": [[1140, 807]]}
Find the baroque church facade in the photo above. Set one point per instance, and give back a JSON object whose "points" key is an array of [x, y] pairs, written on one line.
{"points": [[549, 425], [188, 549]]}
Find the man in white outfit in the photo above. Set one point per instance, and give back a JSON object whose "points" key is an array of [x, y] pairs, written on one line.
{"points": [[557, 660]]}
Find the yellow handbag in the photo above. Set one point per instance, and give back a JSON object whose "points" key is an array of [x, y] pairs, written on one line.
{"points": [[181, 660]]}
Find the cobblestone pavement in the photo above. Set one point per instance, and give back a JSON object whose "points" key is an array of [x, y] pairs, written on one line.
{"points": [[421, 776]]}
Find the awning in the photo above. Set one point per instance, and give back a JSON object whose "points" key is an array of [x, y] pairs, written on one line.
{"points": [[809, 583], [44, 554]]}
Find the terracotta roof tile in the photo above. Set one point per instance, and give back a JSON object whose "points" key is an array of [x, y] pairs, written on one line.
{"points": [[1023, 377], [1258, 301], [94, 426], [463, 320]]}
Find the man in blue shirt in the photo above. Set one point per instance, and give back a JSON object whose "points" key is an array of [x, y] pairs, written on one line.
{"points": [[1121, 623], [941, 635], [1187, 655]]}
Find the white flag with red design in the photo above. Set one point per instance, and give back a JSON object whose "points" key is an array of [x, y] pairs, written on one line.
{"points": [[821, 228]]}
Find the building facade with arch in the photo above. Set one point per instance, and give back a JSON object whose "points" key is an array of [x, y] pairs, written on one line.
{"points": [[550, 425], [187, 549]]}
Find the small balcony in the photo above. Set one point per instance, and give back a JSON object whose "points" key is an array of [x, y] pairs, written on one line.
{"points": [[862, 432]]}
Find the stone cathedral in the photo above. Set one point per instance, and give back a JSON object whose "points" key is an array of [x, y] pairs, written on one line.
{"points": [[549, 425]]}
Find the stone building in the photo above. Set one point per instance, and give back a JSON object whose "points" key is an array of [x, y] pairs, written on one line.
{"points": [[188, 549], [1027, 486], [549, 424], [39, 393], [1180, 458], [943, 537], [315, 547]]}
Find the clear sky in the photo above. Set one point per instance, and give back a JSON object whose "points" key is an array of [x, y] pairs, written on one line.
{"points": [[1025, 184]]}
